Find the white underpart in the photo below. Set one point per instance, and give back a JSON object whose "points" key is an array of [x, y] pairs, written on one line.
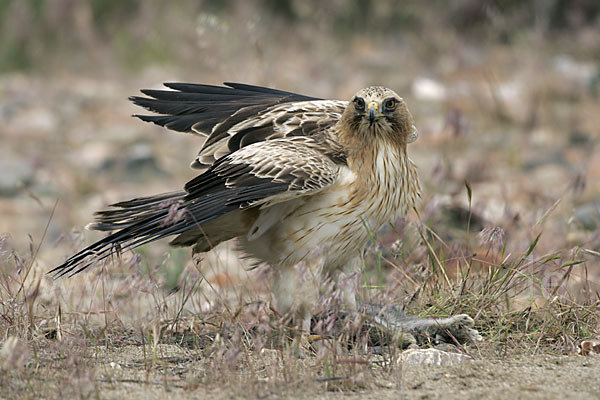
{"points": [[269, 216], [330, 223]]}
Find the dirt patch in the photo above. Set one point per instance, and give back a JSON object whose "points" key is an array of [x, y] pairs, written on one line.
{"points": [[525, 377], [170, 371]]}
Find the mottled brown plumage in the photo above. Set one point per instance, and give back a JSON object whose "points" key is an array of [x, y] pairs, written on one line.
{"points": [[296, 179]]}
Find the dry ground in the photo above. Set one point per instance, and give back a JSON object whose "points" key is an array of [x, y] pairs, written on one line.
{"points": [[124, 371]]}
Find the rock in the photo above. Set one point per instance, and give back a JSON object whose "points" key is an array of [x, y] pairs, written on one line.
{"points": [[98, 156], [432, 357], [429, 90], [549, 157], [141, 158], [15, 173], [588, 216], [540, 176], [577, 73], [33, 122], [580, 138]]}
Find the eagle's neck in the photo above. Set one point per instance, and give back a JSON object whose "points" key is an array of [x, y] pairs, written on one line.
{"points": [[387, 180], [381, 163], [367, 146]]}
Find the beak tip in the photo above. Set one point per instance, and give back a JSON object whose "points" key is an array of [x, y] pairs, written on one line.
{"points": [[372, 114]]}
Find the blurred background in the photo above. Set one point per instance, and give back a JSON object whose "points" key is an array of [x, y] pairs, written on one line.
{"points": [[505, 95]]}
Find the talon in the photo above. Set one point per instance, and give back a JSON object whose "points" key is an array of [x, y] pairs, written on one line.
{"points": [[464, 319], [475, 336]]}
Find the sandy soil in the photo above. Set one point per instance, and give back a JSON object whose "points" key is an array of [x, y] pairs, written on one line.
{"points": [[121, 372]]}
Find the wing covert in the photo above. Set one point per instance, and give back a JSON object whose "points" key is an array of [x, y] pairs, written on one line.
{"points": [[269, 172]]}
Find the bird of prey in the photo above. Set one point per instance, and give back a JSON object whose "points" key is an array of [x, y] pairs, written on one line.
{"points": [[296, 179]]}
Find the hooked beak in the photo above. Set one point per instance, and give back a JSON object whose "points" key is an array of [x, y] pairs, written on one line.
{"points": [[373, 111]]}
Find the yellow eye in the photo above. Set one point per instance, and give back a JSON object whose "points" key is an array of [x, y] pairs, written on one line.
{"points": [[390, 104]]}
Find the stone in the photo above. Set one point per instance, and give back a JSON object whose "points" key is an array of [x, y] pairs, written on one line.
{"points": [[432, 357], [588, 216], [14, 174], [427, 89], [141, 158]]}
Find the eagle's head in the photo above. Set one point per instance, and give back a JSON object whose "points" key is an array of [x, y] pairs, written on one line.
{"points": [[378, 111]]}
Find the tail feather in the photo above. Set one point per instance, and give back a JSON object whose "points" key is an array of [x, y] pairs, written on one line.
{"points": [[138, 221], [173, 214], [126, 213]]}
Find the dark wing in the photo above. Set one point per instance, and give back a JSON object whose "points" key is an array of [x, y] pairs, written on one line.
{"points": [[260, 174], [237, 115]]}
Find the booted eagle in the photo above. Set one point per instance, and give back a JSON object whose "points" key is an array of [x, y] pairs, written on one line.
{"points": [[296, 179]]}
